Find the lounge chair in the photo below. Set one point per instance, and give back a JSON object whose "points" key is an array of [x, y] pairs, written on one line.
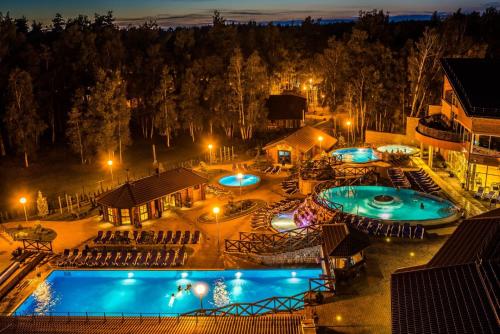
{"points": [[383, 230], [159, 237], [90, 260], [170, 258], [180, 258], [125, 237], [168, 237], [489, 196], [374, 227], [406, 233], [419, 232], [98, 238], [152, 259], [177, 237], [142, 237], [110, 258], [131, 258], [186, 237], [135, 235], [64, 258], [141, 259], [117, 236], [196, 237], [161, 258], [395, 230], [120, 259], [80, 261], [106, 237]]}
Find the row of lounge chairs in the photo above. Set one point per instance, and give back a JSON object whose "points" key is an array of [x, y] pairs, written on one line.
{"points": [[422, 182], [374, 227], [240, 167], [148, 237], [262, 217], [123, 258], [272, 170], [291, 185], [492, 196], [398, 178]]}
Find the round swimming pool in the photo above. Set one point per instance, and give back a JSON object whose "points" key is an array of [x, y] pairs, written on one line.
{"points": [[391, 204], [247, 180], [402, 149], [283, 222], [358, 155]]}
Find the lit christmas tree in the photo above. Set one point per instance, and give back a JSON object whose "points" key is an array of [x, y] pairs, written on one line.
{"points": [[221, 295]]}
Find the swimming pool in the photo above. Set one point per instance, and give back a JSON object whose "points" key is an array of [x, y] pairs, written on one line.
{"points": [[150, 291], [284, 221], [402, 149], [390, 204], [358, 155], [233, 180]]}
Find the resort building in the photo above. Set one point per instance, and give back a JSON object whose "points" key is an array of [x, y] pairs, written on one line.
{"points": [[344, 248], [285, 111], [457, 291], [147, 198], [302, 144], [465, 129]]}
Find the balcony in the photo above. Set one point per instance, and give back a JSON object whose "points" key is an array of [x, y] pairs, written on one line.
{"points": [[436, 130]]}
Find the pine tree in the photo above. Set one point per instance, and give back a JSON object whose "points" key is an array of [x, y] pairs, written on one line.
{"points": [[42, 206], [163, 99]]}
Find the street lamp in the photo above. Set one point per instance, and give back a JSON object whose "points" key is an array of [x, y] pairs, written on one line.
{"points": [[23, 201], [348, 123], [210, 146], [200, 290], [110, 164], [240, 178], [320, 139], [216, 211]]}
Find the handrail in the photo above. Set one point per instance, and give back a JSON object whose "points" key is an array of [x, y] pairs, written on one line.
{"points": [[425, 128]]}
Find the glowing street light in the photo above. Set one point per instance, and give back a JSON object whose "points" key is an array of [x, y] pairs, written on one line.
{"points": [[23, 201], [210, 146], [240, 178], [320, 139], [200, 290], [216, 211], [348, 123], [110, 164]]}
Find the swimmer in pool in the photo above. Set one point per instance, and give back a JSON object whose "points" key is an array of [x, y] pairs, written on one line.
{"points": [[422, 205]]}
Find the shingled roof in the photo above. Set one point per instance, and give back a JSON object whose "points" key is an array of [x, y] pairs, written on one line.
{"points": [[458, 290], [144, 190], [286, 106], [341, 241], [475, 81], [305, 138]]}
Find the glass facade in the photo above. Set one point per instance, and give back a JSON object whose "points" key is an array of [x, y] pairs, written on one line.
{"points": [[143, 212]]}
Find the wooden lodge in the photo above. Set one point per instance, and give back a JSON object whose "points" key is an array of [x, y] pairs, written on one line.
{"points": [[302, 144], [147, 198]]}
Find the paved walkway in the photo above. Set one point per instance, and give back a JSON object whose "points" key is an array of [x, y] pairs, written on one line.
{"points": [[461, 197]]}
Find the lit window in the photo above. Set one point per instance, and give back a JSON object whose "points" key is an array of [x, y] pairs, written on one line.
{"points": [[125, 213], [111, 215], [143, 211]]}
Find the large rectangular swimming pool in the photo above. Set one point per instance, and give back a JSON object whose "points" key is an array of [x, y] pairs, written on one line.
{"points": [[142, 291]]}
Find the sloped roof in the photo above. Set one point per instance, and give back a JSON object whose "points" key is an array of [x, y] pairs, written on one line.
{"points": [[305, 138], [149, 188], [341, 241], [458, 290], [286, 106], [475, 81]]}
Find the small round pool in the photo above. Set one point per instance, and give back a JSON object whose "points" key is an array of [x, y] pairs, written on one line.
{"points": [[247, 180], [401, 149], [357, 155], [391, 204], [283, 222]]}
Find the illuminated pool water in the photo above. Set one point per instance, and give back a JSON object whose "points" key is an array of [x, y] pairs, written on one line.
{"points": [[283, 222], [148, 291], [387, 203], [234, 181], [408, 150], [358, 155]]}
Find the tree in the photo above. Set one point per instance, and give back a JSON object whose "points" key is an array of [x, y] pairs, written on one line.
{"points": [[23, 123], [164, 101], [189, 104], [41, 205]]}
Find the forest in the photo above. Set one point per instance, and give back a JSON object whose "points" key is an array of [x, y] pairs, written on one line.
{"points": [[91, 86]]}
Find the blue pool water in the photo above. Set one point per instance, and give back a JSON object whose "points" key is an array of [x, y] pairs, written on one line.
{"points": [[409, 150], [358, 155], [400, 205], [233, 181], [150, 291]]}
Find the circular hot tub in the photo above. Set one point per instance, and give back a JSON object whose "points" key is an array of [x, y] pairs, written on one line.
{"points": [[247, 181], [356, 155]]}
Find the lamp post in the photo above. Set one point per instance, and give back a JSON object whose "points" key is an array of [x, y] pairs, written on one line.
{"points": [[348, 123], [240, 178], [320, 139], [23, 201], [210, 146], [216, 211], [200, 290], [110, 164]]}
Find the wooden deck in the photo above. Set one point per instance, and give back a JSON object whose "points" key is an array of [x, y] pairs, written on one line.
{"points": [[275, 324]]}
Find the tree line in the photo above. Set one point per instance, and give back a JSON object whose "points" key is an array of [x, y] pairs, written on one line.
{"points": [[93, 87]]}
